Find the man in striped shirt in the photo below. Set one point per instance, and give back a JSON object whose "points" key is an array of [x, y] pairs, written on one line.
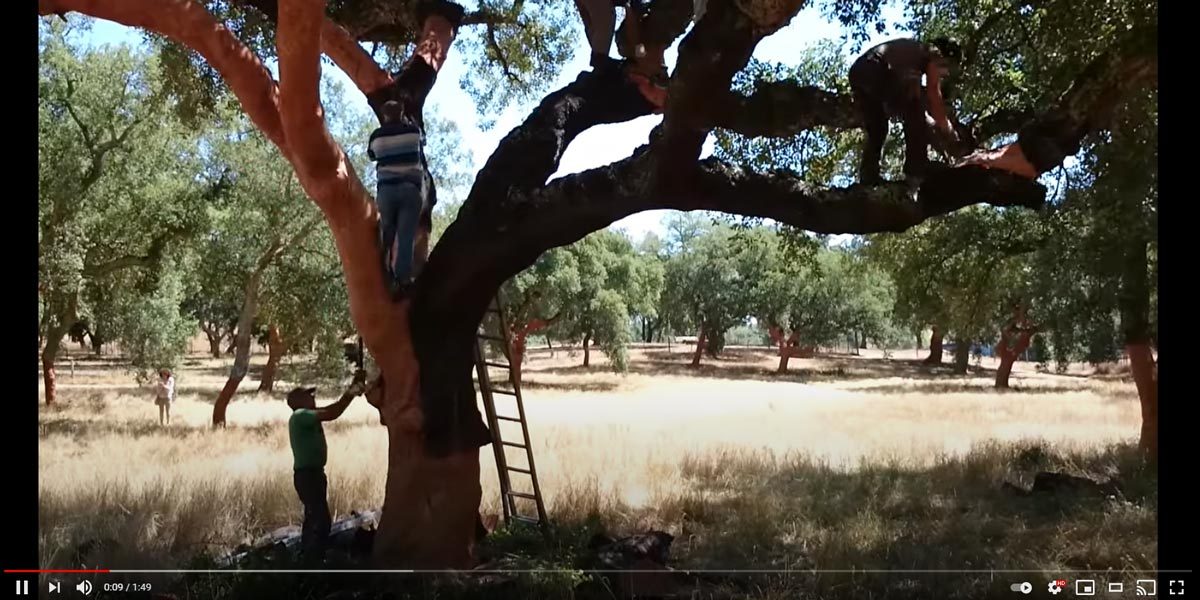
{"points": [[397, 147]]}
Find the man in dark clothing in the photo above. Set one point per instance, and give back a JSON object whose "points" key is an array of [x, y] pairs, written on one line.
{"points": [[644, 62], [886, 82], [307, 438]]}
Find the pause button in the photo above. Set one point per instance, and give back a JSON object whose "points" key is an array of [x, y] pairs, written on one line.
{"points": [[23, 587]]}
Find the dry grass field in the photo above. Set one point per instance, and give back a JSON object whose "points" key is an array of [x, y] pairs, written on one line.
{"points": [[846, 462]]}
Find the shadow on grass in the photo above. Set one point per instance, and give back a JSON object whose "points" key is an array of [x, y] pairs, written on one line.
{"points": [[569, 386], [87, 428], [747, 365], [83, 428], [963, 388]]}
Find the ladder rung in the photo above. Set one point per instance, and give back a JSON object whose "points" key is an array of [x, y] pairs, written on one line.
{"points": [[508, 418], [515, 445], [530, 520], [522, 495], [505, 392], [520, 470], [497, 365]]}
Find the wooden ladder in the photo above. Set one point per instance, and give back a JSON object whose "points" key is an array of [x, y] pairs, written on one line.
{"points": [[493, 329]]}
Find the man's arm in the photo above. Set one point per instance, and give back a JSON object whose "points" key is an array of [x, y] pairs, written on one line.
{"points": [[933, 89], [335, 410]]}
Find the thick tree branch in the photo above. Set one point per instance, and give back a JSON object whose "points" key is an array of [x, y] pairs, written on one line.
{"points": [[719, 45], [316, 155], [153, 254], [351, 58]]}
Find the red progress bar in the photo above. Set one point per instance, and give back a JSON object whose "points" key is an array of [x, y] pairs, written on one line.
{"points": [[56, 570]]}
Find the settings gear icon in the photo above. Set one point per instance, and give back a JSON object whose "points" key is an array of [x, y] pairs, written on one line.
{"points": [[1056, 586]]}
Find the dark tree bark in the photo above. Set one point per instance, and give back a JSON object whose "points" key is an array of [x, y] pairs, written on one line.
{"points": [[935, 346], [214, 335], [701, 339], [962, 355], [1134, 300], [587, 345]]}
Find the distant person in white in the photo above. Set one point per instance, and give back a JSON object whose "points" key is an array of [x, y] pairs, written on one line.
{"points": [[164, 396]]}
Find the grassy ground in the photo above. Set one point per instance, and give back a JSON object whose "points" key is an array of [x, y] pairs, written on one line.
{"points": [[844, 463]]}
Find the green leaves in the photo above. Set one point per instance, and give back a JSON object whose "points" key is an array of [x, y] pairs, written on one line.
{"points": [[118, 197], [516, 61]]}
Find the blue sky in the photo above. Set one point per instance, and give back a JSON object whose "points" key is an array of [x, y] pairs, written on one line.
{"points": [[597, 146]]}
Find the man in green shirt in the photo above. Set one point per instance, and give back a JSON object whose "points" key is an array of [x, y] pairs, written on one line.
{"points": [[308, 450]]}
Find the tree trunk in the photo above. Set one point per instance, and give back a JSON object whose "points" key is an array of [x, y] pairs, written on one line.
{"points": [[1134, 302], [700, 339], [587, 338], [787, 346], [517, 352], [214, 341], [1009, 350], [935, 347], [241, 346], [65, 320], [49, 353], [1009, 356], [962, 356], [275, 350], [1145, 376]]}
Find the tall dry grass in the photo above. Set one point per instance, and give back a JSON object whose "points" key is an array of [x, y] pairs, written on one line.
{"points": [[876, 466]]}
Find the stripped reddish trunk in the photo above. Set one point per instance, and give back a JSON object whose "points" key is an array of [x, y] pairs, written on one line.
{"points": [[517, 353], [700, 339], [935, 346], [1134, 302], [1145, 376], [275, 349], [1008, 356], [49, 354], [241, 344], [48, 374]]}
